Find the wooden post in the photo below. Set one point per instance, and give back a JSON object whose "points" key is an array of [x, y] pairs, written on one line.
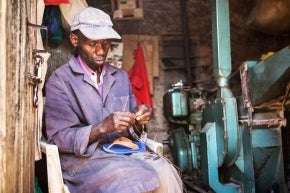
{"points": [[16, 111], [3, 169]]}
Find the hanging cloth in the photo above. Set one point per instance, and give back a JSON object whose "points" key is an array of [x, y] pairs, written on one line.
{"points": [[139, 78], [52, 19], [55, 2]]}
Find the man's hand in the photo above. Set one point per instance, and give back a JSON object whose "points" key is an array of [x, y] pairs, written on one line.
{"points": [[143, 113], [118, 121]]}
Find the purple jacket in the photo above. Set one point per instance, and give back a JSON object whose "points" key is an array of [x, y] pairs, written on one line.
{"points": [[73, 104]]}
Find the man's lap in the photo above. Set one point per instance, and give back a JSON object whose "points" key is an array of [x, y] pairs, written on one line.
{"points": [[134, 173]]}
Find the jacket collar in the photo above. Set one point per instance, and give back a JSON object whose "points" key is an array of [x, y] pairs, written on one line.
{"points": [[75, 66], [108, 78]]}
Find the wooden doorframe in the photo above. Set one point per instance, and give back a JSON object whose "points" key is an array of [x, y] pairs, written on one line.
{"points": [[3, 172], [17, 136]]}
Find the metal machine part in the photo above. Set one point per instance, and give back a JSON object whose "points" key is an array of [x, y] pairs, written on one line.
{"points": [[184, 139], [239, 155], [175, 102], [235, 143]]}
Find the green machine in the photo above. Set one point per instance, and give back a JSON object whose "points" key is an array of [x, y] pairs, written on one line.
{"points": [[234, 142]]}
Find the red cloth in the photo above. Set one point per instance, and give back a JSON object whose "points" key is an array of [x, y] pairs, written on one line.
{"points": [[55, 2], [139, 78]]}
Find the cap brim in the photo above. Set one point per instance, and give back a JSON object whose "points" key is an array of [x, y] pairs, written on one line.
{"points": [[100, 33]]}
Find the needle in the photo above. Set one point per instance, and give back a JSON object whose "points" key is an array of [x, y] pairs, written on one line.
{"points": [[124, 108]]}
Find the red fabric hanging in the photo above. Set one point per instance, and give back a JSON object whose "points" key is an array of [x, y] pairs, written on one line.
{"points": [[139, 78], [55, 2]]}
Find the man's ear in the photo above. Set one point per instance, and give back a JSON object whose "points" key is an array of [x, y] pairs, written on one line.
{"points": [[73, 39]]}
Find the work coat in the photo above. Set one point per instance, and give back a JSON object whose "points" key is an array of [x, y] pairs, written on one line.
{"points": [[73, 105]]}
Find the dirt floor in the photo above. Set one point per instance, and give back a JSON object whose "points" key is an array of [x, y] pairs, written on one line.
{"points": [[193, 184]]}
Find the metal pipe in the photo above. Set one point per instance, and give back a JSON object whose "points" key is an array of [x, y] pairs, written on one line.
{"points": [[222, 69], [183, 8]]}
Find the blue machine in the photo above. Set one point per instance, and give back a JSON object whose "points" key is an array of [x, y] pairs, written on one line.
{"points": [[234, 142]]}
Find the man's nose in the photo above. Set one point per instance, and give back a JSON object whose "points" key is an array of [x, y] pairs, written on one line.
{"points": [[100, 50]]}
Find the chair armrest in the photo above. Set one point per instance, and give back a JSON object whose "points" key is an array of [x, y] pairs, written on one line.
{"points": [[54, 175]]}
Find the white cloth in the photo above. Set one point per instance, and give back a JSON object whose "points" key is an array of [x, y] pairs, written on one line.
{"points": [[68, 11], [169, 179]]}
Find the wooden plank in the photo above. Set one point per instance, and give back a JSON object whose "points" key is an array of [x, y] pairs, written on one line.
{"points": [[16, 111], [3, 169]]}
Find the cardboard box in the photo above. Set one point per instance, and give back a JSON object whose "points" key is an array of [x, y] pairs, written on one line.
{"points": [[126, 4], [127, 9]]}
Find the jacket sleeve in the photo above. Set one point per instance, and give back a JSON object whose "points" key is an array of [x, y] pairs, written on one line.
{"points": [[63, 126]]}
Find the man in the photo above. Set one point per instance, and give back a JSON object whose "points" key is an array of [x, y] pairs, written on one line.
{"points": [[90, 103]]}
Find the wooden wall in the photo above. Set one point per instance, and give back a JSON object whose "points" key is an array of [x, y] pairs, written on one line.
{"points": [[16, 111]]}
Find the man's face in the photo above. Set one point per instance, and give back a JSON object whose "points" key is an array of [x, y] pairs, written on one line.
{"points": [[92, 52]]}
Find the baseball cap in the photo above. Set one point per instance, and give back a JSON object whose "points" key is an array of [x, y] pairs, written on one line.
{"points": [[94, 24]]}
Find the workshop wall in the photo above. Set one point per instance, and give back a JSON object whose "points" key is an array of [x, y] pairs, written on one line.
{"points": [[164, 19]]}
